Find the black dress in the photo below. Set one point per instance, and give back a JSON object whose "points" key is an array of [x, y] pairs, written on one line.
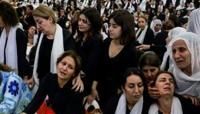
{"points": [[113, 69], [62, 100]]}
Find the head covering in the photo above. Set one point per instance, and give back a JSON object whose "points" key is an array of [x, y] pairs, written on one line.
{"points": [[194, 21], [154, 23], [171, 35], [189, 85]]}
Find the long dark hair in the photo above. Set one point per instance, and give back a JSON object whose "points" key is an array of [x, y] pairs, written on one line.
{"points": [[124, 19]]}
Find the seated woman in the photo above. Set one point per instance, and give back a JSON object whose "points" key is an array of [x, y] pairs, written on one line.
{"points": [[168, 102], [14, 93], [62, 99], [132, 100], [149, 63], [185, 55]]}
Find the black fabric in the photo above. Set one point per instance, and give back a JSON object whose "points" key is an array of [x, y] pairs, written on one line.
{"points": [[62, 100], [6, 42]]}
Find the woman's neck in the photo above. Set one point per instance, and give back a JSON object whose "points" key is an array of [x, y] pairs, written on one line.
{"points": [[51, 32], [187, 71], [116, 41], [61, 82], [165, 104], [130, 105]]}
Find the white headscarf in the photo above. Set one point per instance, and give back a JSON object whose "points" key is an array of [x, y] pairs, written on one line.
{"points": [[171, 35], [176, 107], [121, 107], [194, 21], [11, 48], [154, 23], [189, 85]]}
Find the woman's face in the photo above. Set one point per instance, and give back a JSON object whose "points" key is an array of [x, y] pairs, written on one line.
{"points": [[165, 84], [43, 24], [84, 24], [181, 55], [66, 68], [150, 72], [142, 23], [115, 31], [133, 88]]}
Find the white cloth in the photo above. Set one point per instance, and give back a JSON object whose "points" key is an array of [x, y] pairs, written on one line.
{"points": [[194, 22], [121, 107], [11, 48], [57, 50], [189, 85], [142, 5], [176, 107], [153, 24], [140, 38], [171, 35]]}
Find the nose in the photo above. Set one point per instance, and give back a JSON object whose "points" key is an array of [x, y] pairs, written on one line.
{"points": [[65, 67], [149, 73], [176, 54], [38, 26], [136, 89]]}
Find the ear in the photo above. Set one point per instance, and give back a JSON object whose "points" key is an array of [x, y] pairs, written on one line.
{"points": [[50, 19]]}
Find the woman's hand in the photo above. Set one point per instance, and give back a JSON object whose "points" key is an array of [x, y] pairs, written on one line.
{"points": [[94, 91], [30, 82], [78, 84], [153, 92]]}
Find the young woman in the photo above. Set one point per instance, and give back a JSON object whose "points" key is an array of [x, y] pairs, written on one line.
{"points": [[132, 100], [168, 102], [62, 99], [89, 44], [119, 53], [13, 41]]}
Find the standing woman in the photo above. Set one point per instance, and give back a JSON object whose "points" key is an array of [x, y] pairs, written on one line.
{"points": [[13, 41], [62, 99], [89, 44], [119, 53], [53, 41]]}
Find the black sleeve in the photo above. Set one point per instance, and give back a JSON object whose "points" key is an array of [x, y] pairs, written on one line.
{"points": [[39, 97], [69, 42], [23, 67]]}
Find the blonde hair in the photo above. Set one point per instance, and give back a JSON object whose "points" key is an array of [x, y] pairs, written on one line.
{"points": [[45, 12]]}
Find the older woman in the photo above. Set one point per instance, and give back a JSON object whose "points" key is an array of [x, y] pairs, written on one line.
{"points": [[62, 99], [168, 102], [186, 64], [132, 100], [53, 40]]}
